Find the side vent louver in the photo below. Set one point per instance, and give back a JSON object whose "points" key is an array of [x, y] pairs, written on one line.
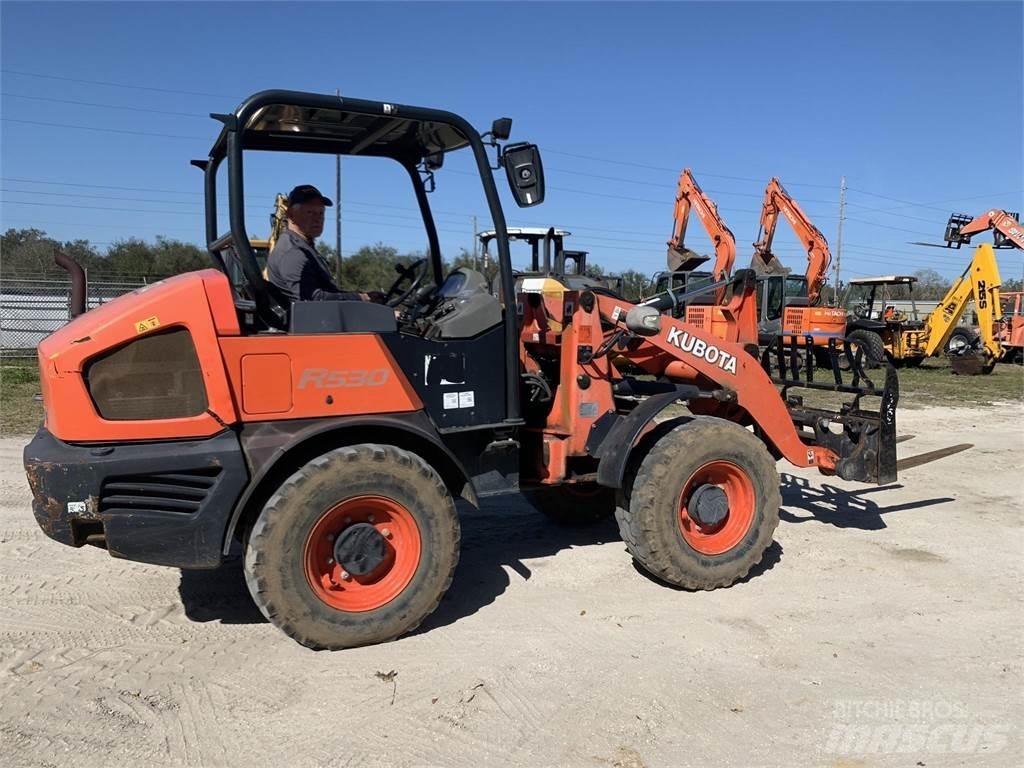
{"points": [[182, 491]]}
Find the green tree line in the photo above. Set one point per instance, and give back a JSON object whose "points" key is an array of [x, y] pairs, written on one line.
{"points": [[30, 252]]}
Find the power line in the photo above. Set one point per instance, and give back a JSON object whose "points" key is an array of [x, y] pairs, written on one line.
{"points": [[113, 85], [676, 170], [886, 226], [663, 186], [104, 106], [891, 213], [990, 195], [97, 186], [103, 130]]}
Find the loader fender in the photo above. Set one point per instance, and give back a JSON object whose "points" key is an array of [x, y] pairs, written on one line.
{"points": [[274, 450], [613, 437]]}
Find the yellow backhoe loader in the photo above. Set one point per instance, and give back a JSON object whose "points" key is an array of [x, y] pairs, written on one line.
{"points": [[883, 328]]}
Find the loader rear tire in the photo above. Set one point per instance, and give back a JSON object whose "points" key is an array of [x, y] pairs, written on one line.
{"points": [[575, 505], [357, 547], [668, 539]]}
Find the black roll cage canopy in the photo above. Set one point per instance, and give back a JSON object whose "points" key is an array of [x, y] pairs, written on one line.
{"points": [[415, 137]]}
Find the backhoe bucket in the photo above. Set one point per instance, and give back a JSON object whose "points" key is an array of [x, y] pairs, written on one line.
{"points": [[863, 438]]}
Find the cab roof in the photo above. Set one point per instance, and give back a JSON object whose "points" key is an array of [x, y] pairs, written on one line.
{"points": [[295, 121], [884, 280], [525, 233]]}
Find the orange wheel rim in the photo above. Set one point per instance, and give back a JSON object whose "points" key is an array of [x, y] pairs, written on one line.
{"points": [[739, 492], [346, 591]]}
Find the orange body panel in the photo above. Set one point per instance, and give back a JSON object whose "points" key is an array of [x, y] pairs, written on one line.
{"points": [[1016, 334], [822, 323], [182, 301], [277, 376]]}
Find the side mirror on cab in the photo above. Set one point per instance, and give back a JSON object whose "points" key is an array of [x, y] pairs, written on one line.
{"points": [[525, 173]]}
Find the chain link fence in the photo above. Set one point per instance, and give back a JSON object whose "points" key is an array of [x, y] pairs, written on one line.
{"points": [[33, 308]]}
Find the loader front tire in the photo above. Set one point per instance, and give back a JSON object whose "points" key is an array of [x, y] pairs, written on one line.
{"points": [[703, 505], [356, 547]]}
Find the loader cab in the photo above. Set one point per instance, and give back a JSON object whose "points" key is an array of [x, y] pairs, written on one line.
{"points": [[443, 321]]}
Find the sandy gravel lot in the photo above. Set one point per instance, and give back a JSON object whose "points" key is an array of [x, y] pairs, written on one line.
{"points": [[883, 628]]}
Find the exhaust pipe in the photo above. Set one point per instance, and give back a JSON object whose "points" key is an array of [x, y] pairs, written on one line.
{"points": [[74, 269]]}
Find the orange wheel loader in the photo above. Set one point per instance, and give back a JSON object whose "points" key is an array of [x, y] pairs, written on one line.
{"points": [[329, 440]]}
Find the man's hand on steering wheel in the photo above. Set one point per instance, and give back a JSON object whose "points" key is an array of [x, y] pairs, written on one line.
{"points": [[412, 274]]}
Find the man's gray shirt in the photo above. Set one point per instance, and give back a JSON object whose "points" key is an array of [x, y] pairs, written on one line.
{"points": [[300, 273]]}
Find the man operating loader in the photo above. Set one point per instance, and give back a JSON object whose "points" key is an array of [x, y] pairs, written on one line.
{"points": [[295, 267]]}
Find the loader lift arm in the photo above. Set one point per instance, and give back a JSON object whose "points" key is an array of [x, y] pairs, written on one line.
{"points": [[689, 196], [745, 389], [777, 200]]}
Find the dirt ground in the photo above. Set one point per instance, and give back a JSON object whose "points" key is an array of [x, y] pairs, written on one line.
{"points": [[883, 628]]}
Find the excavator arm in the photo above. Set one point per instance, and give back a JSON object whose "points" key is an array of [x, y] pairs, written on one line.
{"points": [[776, 201], [689, 196]]}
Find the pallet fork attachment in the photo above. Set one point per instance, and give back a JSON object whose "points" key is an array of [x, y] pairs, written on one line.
{"points": [[867, 442]]}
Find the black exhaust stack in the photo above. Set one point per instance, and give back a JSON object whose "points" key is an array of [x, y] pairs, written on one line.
{"points": [[74, 269]]}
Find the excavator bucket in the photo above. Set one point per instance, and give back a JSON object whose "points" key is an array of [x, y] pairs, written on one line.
{"points": [[862, 430]]}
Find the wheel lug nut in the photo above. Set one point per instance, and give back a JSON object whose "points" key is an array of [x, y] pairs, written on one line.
{"points": [[348, 520], [345, 575], [386, 533], [370, 518], [330, 561], [330, 537]]}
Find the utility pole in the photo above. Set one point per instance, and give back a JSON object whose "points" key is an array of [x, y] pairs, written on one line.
{"points": [[839, 238], [337, 203]]}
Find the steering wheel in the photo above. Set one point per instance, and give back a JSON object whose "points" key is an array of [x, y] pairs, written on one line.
{"points": [[414, 274]]}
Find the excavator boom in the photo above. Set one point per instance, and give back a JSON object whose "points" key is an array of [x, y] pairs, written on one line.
{"points": [[690, 195], [777, 200]]}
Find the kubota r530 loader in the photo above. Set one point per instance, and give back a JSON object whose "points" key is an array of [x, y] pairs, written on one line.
{"points": [[330, 439]]}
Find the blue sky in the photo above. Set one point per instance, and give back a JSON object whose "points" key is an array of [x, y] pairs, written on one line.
{"points": [[920, 106]]}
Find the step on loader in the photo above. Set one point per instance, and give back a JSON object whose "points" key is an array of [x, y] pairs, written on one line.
{"points": [[329, 440]]}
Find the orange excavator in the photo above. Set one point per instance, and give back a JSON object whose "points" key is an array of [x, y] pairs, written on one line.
{"points": [[689, 196], [789, 304], [711, 311]]}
